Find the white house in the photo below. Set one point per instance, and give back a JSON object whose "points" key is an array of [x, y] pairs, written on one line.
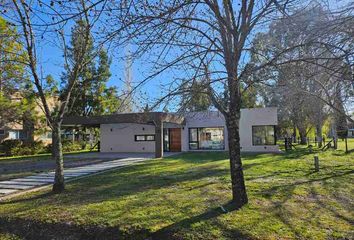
{"points": [[196, 131]]}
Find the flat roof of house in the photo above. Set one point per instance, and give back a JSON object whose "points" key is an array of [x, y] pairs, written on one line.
{"points": [[141, 118]]}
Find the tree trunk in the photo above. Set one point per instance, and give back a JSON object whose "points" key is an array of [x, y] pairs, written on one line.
{"points": [[239, 194], [294, 134], [57, 155], [303, 134], [319, 134]]}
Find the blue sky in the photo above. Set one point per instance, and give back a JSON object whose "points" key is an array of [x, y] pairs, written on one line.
{"points": [[52, 63]]}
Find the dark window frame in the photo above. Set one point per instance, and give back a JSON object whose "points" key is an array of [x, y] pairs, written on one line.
{"points": [[2, 132], [198, 140], [189, 138], [275, 136], [145, 137]]}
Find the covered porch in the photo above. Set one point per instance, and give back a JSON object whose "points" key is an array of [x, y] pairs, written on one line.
{"points": [[165, 126]]}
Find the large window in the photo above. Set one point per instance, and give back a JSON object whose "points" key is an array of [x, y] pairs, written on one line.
{"points": [[144, 138], [263, 135], [206, 138], [2, 132]]}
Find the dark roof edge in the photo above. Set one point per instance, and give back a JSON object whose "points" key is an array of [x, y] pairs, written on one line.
{"points": [[142, 118]]}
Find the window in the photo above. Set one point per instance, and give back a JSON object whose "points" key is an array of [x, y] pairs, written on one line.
{"points": [[22, 134], [17, 134], [2, 132], [150, 137], [263, 135], [143, 138], [206, 138], [193, 139]]}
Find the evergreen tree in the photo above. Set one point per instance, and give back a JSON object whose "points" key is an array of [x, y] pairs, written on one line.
{"points": [[91, 96], [195, 98]]}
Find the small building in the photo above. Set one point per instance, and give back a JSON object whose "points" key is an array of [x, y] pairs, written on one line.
{"points": [[167, 132]]}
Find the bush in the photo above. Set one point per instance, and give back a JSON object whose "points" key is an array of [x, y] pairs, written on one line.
{"points": [[70, 146], [15, 147], [8, 145]]}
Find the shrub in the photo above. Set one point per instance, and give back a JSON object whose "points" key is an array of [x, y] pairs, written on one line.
{"points": [[15, 147], [8, 146], [70, 146]]}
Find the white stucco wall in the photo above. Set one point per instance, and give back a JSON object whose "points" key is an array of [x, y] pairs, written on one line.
{"points": [[253, 117], [249, 117], [121, 138]]}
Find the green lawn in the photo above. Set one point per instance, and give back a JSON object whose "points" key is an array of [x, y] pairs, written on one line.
{"points": [[180, 198]]}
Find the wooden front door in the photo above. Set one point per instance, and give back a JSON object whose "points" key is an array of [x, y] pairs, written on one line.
{"points": [[175, 139]]}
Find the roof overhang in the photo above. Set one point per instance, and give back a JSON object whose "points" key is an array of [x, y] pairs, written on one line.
{"points": [[140, 118]]}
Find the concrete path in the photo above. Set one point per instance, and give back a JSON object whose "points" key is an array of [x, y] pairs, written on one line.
{"points": [[17, 185]]}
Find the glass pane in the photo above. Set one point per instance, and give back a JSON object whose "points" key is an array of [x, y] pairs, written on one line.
{"points": [[140, 138], [193, 134], [13, 135], [211, 138], [193, 145], [150, 138], [263, 135], [23, 134], [270, 136]]}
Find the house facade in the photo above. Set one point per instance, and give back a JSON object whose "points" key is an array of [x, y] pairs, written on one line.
{"points": [[27, 130], [195, 131]]}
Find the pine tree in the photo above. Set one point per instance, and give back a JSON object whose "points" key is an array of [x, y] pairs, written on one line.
{"points": [[91, 96]]}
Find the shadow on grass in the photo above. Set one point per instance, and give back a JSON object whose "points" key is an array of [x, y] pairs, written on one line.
{"points": [[33, 229], [171, 231], [274, 189], [28, 199], [283, 210], [123, 182], [324, 205]]}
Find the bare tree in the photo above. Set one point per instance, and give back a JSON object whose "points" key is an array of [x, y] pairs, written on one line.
{"points": [[206, 39], [325, 59], [40, 21]]}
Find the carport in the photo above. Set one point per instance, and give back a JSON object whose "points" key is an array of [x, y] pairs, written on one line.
{"points": [[154, 118]]}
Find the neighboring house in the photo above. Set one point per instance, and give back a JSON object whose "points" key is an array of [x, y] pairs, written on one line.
{"points": [[199, 131], [27, 130]]}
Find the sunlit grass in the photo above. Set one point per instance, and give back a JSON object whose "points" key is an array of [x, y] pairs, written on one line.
{"points": [[180, 198]]}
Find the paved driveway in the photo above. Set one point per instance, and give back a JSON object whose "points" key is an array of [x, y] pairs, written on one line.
{"points": [[115, 160]]}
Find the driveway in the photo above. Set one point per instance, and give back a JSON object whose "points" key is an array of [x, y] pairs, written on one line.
{"points": [[108, 161]]}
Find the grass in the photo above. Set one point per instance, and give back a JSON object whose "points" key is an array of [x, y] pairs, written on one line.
{"points": [[180, 198]]}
